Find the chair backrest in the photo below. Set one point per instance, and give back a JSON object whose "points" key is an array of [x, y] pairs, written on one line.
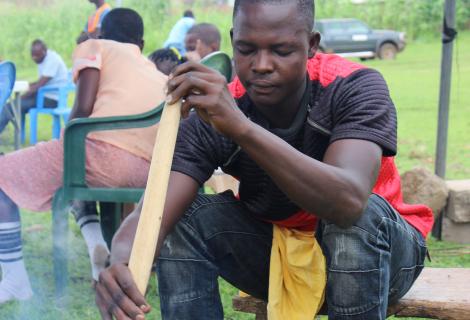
{"points": [[7, 81]]}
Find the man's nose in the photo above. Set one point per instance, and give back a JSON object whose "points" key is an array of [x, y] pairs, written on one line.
{"points": [[263, 63]]}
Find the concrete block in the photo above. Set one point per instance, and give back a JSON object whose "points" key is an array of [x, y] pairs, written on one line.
{"points": [[455, 232], [458, 203]]}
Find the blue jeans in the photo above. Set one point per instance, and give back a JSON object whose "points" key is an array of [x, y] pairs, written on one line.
{"points": [[369, 265]]}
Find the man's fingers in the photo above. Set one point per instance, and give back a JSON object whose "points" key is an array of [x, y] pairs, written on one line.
{"points": [[101, 302], [186, 85], [121, 302], [130, 289], [189, 66]]}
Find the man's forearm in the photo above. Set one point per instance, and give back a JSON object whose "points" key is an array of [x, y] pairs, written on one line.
{"points": [[333, 190], [123, 239]]}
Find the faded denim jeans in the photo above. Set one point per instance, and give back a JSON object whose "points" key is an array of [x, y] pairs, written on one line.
{"points": [[371, 264]]}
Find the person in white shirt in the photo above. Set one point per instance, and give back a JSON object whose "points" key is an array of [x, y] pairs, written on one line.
{"points": [[52, 72]]}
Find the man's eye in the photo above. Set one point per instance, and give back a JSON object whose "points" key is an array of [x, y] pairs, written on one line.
{"points": [[283, 53], [245, 51]]}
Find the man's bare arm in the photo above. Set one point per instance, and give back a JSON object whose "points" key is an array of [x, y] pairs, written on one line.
{"points": [[116, 293], [34, 87]]}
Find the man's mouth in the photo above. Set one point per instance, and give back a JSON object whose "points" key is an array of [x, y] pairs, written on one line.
{"points": [[262, 87]]}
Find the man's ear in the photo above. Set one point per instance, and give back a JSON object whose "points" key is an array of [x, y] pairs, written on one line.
{"points": [[314, 43]]}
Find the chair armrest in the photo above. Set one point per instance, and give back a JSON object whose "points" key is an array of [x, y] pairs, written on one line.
{"points": [[77, 130]]}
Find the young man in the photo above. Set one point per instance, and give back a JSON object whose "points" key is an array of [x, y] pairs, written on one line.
{"points": [[179, 31], [52, 72], [113, 79], [310, 137], [201, 40], [93, 26]]}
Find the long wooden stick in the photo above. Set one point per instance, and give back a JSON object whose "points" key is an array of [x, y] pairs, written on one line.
{"points": [[148, 229]]}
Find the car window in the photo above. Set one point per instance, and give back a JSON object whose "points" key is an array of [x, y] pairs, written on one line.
{"points": [[318, 27], [355, 27], [333, 28]]}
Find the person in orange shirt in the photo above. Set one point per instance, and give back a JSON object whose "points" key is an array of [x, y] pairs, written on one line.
{"points": [[93, 25], [113, 79]]}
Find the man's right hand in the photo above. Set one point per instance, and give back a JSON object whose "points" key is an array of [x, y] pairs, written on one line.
{"points": [[117, 295]]}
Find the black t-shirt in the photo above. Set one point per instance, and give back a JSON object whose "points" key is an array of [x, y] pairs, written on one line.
{"points": [[356, 106]]}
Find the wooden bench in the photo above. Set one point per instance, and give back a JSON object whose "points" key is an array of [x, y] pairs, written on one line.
{"points": [[438, 293]]}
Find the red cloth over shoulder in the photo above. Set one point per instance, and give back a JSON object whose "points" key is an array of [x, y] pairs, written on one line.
{"points": [[325, 69]]}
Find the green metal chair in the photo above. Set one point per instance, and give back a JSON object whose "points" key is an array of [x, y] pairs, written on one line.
{"points": [[74, 183]]}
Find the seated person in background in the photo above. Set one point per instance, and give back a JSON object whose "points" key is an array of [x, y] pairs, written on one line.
{"points": [[52, 72], [201, 40], [311, 138], [166, 59], [113, 79], [178, 32], [93, 25]]}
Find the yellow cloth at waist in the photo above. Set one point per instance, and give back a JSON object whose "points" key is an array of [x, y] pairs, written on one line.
{"points": [[297, 276]]}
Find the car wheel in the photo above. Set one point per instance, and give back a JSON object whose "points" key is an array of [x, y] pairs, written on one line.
{"points": [[388, 51]]}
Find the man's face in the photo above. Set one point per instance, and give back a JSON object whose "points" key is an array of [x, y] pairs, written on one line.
{"points": [[271, 45], [38, 53], [193, 44]]}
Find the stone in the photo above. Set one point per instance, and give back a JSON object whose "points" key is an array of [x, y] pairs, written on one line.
{"points": [[455, 232], [458, 203], [420, 186]]}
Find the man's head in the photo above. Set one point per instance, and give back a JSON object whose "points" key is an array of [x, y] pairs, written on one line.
{"points": [[38, 51], [188, 14], [97, 3], [203, 38], [123, 25], [272, 40], [165, 60]]}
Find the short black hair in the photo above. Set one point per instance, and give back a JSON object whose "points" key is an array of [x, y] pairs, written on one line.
{"points": [[164, 54], [206, 32], [123, 25], [39, 42], [306, 8], [188, 14]]}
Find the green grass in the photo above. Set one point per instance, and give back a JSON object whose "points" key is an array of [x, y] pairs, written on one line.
{"points": [[413, 80], [79, 304]]}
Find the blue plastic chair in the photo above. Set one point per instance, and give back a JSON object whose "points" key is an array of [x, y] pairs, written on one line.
{"points": [[7, 81], [62, 111]]}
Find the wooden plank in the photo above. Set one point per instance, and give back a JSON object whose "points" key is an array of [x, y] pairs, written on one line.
{"points": [[249, 305], [438, 293]]}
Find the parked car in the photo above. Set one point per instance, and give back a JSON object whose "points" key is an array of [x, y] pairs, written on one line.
{"points": [[354, 38]]}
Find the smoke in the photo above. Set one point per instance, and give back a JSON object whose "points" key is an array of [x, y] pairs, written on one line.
{"points": [[78, 303]]}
